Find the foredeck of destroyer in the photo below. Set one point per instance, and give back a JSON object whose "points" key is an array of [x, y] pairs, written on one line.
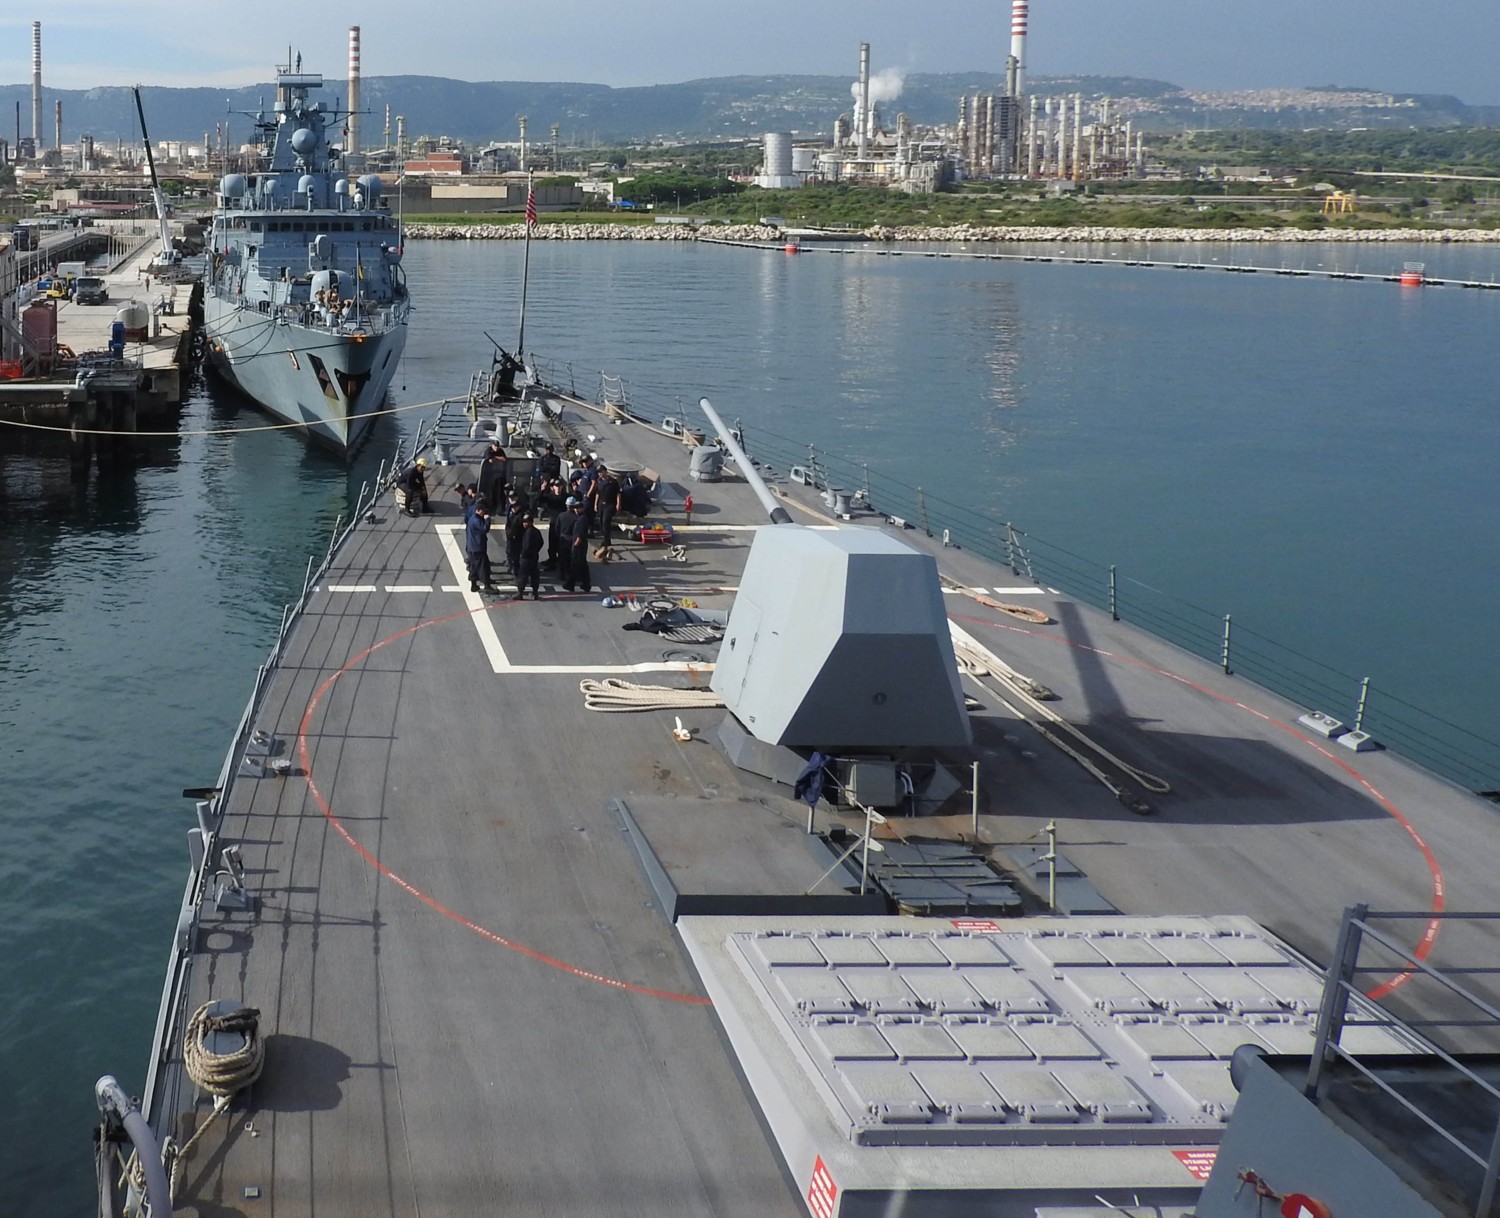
{"points": [[471, 999]]}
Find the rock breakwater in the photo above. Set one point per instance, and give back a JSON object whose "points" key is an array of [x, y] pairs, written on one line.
{"points": [[984, 234]]}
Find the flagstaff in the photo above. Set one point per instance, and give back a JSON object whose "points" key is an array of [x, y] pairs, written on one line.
{"points": [[526, 266]]}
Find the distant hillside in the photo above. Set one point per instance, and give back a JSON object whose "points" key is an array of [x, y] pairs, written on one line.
{"points": [[718, 107]]}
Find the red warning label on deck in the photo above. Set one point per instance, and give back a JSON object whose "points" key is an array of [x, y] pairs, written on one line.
{"points": [[822, 1192], [1199, 1162], [977, 926]]}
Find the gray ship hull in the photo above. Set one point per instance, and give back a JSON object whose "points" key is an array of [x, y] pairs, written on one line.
{"points": [[329, 381]]}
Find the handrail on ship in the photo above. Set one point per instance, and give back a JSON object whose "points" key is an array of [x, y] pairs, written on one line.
{"points": [[1448, 749], [172, 1008], [1345, 1005], [372, 318]]}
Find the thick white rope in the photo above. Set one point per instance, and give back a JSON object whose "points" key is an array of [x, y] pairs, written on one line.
{"points": [[613, 694]]}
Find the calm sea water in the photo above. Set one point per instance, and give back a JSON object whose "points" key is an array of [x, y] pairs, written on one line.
{"points": [[1316, 457]]}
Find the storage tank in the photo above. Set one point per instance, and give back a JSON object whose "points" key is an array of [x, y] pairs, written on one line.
{"points": [[778, 154], [136, 319], [804, 160], [39, 325]]}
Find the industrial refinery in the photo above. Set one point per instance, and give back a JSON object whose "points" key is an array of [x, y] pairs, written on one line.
{"points": [[1004, 135]]}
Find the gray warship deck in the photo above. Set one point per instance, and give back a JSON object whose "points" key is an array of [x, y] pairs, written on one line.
{"points": [[472, 1000]]}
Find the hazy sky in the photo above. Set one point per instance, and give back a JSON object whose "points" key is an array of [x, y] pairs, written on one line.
{"points": [[1443, 46]]}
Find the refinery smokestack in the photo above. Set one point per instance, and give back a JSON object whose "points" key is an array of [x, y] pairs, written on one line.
{"points": [[1018, 11], [862, 119], [57, 127], [353, 141], [36, 84]]}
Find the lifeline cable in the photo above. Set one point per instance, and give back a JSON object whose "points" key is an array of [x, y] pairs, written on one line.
{"points": [[211, 431]]}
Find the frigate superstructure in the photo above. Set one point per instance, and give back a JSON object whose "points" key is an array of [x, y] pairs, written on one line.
{"points": [[305, 305]]}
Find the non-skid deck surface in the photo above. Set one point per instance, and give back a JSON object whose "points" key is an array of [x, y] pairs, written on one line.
{"points": [[473, 1002]]}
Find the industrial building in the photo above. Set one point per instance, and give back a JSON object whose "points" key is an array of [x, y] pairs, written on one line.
{"points": [[1003, 135]]}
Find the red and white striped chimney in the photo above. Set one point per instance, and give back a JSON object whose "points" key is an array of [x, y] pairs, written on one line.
{"points": [[351, 145], [1018, 12]]}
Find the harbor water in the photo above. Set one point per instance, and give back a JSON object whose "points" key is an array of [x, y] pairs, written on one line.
{"points": [[1313, 457]]}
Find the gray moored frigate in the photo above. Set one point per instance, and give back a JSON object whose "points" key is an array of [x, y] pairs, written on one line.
{"points": [[305, 303]]}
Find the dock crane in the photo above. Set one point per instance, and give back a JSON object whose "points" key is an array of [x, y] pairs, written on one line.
{"points": [[166, 257]]}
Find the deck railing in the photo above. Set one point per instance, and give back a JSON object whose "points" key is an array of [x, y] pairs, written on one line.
{"points": [[172, 1010], [1449, 1023]]}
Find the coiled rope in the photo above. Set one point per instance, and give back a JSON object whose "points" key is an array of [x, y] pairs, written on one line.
{"points": [[222, 1075], [977, 662], [613, 694]]}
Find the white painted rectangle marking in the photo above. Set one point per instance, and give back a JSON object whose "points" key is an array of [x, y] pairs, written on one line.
{"points": [[408, 587], [488, 639], [352, 588]]}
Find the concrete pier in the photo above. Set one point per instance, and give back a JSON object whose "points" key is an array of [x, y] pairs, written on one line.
{"points": [[96, 396]]}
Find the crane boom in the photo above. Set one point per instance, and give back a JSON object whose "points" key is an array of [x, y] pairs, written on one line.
{"points": [[167, 256]]}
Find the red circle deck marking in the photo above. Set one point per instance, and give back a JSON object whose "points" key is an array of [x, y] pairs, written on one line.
{"points": [[406, 885], [1434, 868]]}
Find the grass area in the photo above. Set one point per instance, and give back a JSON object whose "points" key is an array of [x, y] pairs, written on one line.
{"points": [[865, 207]]}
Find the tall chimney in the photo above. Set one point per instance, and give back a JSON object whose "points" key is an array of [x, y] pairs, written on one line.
{"points": [[522, 120], [862, 119], [1018, 11], [36, 84], [1078, 173], [387, 143], [1031, 138], [352, 143], [57, 126]]}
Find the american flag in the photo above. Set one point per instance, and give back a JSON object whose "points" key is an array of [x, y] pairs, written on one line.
{"points": [[530, 206]]}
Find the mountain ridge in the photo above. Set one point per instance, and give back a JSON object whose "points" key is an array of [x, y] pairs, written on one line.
{"points": [[721, 107]]}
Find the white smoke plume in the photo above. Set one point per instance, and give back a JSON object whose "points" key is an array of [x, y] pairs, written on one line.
{"points": [[885, 85]]}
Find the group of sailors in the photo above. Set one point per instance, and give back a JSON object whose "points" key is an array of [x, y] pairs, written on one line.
{"points": [[331, 309], [571, 510]]}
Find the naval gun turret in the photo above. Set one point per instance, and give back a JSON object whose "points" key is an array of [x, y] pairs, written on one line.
{"points": [[837, 641]]}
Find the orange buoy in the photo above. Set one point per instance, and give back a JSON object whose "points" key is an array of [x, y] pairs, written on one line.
{"points": [[793, 248], [1413, 275]]}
